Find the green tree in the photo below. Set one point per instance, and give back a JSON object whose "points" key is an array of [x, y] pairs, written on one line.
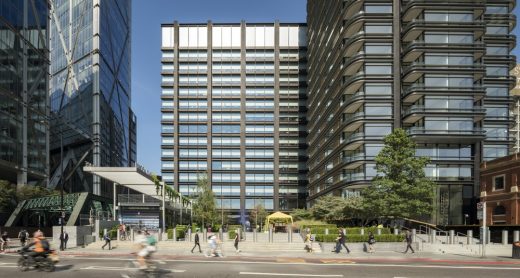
{"points": [[401, 188], [8, 198], [204, 206], [258, 215], [301, 214], [329, 208]]}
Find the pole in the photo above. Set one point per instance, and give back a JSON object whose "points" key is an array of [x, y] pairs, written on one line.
{"points": [[114, 202], [484, 232], [163, 209], [61, 176]]}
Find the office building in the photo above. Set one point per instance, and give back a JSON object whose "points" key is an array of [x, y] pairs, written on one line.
{"points": [[440, 73], [90, 98], [515, 94], [233, 106], [24, 104]]}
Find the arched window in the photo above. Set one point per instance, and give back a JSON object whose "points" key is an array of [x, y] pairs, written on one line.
{"points": [[499, 210]]}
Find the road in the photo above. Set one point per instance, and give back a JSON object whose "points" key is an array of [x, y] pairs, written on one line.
{"points": [[79, 267]]}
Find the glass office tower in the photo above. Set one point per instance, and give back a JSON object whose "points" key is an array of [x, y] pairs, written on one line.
{"points": [[440, 73], [24, 104], [91, 115], [233, 106]]}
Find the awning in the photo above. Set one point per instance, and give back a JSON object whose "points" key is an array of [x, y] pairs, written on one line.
{"points": [[131, 177], [279, 217]]}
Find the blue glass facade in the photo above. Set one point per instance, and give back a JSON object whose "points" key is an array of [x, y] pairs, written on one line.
{"points": [[90, 90]]}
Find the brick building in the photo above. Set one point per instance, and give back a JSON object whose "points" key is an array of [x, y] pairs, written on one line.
{"points": [[499, 188]]}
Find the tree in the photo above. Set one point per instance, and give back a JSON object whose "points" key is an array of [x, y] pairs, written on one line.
{"points": [[301, 214], [204, 206], [7, 196], [329, 208], [258, 215], [10, 196], [401, 188]]}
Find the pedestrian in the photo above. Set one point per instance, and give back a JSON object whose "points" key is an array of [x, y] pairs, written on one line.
{"points": [[62, 241], [408, 239], [4, 239], [340, 241], [106, 237], [197, 241], [65, 239], [308, 243], [371, 242], [237, 239], [22, 236]]}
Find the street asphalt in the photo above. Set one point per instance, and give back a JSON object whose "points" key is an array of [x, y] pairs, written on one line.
{"points": [[86, 265]]}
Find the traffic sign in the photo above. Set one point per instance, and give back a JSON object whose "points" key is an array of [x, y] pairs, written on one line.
{"points": [[480, 205], [480, 214]]}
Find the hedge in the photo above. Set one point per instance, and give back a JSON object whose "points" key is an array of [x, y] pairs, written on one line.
{"points": [[361, 238], [232, 230], [320, 229], [111, 233]]}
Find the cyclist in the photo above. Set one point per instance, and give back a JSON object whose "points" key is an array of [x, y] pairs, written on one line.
{"points": [[147, 245], [40, 246], [4, 239]]}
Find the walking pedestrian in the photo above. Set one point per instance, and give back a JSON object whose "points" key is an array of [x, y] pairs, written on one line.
{"points": [[22, 236], [3, 241], [106, 237], [371, 242], [197, 241], [340, 241], [308, 243], [65, 239], [408, 239], [237, 239], [62, 241]]}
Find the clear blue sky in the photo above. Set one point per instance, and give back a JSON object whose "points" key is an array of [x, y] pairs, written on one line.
{"points": [[146, 21], [147, 16]]}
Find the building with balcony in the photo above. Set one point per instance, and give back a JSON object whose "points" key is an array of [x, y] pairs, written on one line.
{"points": [[442, 74], [90, 96], [24, 107], [233, 106]]}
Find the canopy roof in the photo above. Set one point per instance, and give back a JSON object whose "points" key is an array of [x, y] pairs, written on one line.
{"points": [[279, 216], [131, 177]]}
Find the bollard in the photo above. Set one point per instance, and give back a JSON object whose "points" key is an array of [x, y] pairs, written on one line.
{"points": [[396, 231], [270, 235], [132, 234], [104, 233], [174, 234], [451, 239], [470, 237], [221, 234], [118, 235], [326, 231], [505, 235], [378, 232], [433, 235], [254, 235], [516, 236], [189, 235], [488, 233], [205, 235], [362, 231], [414, 233]]}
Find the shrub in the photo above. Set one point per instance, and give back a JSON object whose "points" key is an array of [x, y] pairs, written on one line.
{"points": [[181, 231], [170, 233], [232, 234]]}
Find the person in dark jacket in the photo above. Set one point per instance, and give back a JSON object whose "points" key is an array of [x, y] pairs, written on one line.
{"points": [[107, 239], [409, 241], [340, 241], [197, 241], [371, 242], [237, 240]]}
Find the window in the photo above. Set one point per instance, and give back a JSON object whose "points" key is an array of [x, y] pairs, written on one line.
{"points": [[259, 91], [449, 102], [372, 68], [167, 67], [378, 8], [259, 104], [497, 111], [167, 79], [378, 89], [167, 116], [193, 104], [375, 110], [259, 117], [225, 141], [497, 91], [378, 129], [196, 153], [497, 49], [449, 16], [259, 141], [193, 92], [499, 210], [226, 128], [497, 30], [378, 28], [497, 132], [259, 129], [225, 153], [193, 117], [226, 92], [193, 141], [459, 81], [225, 117], [444, 124], [448, 59], [456, 38], [167, 92], [499, 182], [378, 48], [167, 140], [497, 70], [217, 104], [259, 153], [225, 177], [259, 165], [193, 129], [193, 165], [497, 9], [225, 165], [167, 128], [495, 151]]}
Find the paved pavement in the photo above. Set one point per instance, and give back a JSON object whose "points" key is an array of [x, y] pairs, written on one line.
{"points": [[196, 266]]}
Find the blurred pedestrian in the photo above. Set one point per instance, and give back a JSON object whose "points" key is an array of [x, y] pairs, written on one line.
{"points": [[371, 242], [23, 235], [341, 241], [197, 241], [106, 237], [4, 239], [237, 239], [408, 239]]}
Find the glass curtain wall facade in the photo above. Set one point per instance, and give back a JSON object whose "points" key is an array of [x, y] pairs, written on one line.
{"points": [[441, 74], [23, 92], [233, 106], [90, 95]]}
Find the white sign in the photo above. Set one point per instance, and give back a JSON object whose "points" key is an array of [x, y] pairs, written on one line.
{"points": [[480, 205], [480, 214]]}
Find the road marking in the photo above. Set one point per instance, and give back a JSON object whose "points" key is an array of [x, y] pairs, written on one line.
{"points": [[290, 260], [116, 268], [290, 274], [437, 266], [337, 261]]}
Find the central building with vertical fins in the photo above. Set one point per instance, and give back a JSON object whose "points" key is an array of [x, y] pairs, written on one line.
{"points": [[234, 107]]}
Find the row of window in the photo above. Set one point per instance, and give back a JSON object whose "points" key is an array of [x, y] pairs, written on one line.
{"points": [[222, 165], [227, 141]]}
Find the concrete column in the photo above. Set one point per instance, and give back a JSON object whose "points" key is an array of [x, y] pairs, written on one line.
{"points": [[516, 236], [378, 232], [505, 236], [451, 239], [470, 237]]}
